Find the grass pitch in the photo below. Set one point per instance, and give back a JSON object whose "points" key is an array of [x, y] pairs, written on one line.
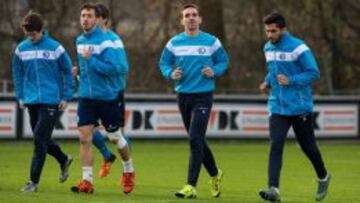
{"points": [[161, 168]]}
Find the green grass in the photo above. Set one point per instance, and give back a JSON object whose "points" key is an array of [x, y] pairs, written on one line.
{"points": [[161, 168]]}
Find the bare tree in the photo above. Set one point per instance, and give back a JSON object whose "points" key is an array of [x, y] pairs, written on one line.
{"points": [[330, 27]]}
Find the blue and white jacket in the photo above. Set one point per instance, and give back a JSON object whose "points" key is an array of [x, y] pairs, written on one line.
{"points": [[191, 54], [100, 74], [291, 57], [42, 72]]}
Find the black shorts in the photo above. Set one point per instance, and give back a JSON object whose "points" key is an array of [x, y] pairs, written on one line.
{"points": [[110, 112]]}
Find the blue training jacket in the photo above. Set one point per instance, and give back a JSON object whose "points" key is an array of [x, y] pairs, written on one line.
{"points": [[291, 57], [191, 54], [42, 72], [99, 75]]}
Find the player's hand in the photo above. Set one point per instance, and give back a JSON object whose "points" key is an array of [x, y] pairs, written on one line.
{"points": [[86, 53], [22, 105], [176, 74], [208, 72], [62, 105], [263, 87], [75, 71], [283, 79]]}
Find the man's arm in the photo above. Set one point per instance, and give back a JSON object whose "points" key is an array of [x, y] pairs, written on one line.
{"points": [[167, 60], [119, 45], [109, 64], [18, 75], [221, 59], [65, 64], [310, 69]]}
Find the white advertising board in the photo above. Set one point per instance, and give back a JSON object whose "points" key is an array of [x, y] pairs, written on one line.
{"points": [[163, 120], [7, 120]]}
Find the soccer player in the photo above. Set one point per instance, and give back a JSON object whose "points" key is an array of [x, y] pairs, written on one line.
{"points": [[44, 84], [291, 71], [194, 59], [101, 73], [100, 144], [98, 138], [104, 23]]}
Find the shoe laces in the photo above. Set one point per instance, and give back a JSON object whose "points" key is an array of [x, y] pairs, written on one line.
{"points": [[30, 184], [214, 182], [83, 185], [106, 164], [128, 179]]}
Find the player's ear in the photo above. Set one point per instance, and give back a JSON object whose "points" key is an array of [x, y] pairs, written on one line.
{"points": [[200, 20]]}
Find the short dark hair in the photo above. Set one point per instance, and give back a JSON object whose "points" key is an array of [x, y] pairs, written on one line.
{"points": [[104, 11], [276, 18], [91, 6], [185, 6], [33, 22]]}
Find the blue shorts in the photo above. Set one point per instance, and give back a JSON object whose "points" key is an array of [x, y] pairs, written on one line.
{"points": [[110, 112]]}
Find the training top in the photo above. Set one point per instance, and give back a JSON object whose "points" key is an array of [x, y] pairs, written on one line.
{"points": [[191, 55], [293, 58], [101, 73], [42, 72]]}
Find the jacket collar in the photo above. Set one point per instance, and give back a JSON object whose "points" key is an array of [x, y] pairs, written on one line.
{"points": [[45, 35], [283, 39], [93, 32]]}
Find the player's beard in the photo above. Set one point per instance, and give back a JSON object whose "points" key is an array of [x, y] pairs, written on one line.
{"points": [[88, 26]]}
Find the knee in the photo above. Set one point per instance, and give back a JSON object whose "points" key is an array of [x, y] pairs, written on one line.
{"points": [[196, 145], [194, 141], [38, 141], [85, 135], [310, 149], [85, 140]]}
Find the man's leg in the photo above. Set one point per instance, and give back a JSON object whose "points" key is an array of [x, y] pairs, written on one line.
{"points": [[215, 173], [55, 151], [304, 131], [46, 118], [34, 114], [87, 118], [209, 161], [63, 159], [128, 178], [86, 156], [99, 142], [188, 191], [199, 120], [279, 126], [112, 118], [86, 153], [200, 117]]}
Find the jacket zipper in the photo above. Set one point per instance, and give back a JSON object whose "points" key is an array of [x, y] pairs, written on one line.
{"points": [[37, 73], [280, 87], [89, 81], [301, 98]]}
